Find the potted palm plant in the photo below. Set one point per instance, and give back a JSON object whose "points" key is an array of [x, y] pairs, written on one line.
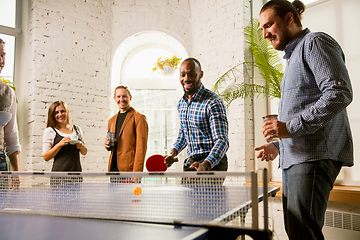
{"points": [[263, 57], [166, 66]]}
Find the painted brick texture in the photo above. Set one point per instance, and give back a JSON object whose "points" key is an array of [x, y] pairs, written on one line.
{"points": [[219, 45], [71, 42]]}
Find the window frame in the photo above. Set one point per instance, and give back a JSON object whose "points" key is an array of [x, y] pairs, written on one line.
{"points": [[134, 44], [15, 32]]}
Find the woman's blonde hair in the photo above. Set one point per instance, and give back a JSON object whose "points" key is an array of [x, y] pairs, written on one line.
{"points": [[51, 122]]}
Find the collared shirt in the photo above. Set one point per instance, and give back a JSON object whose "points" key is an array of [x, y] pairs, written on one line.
{"points": [[203, 126], [11, 135], [316, 90]]}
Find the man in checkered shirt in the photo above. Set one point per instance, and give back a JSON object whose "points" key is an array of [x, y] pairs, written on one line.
{"points": [[203, 123]]}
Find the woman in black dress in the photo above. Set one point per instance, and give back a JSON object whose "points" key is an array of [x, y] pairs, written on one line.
{"points": [[62, 141]]}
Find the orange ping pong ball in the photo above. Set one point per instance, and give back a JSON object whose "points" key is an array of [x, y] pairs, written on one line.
{"points": [[137, 190]]}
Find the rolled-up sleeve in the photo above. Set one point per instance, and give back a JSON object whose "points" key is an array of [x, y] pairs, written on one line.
{"points": [[11, 138], [332, 92]]}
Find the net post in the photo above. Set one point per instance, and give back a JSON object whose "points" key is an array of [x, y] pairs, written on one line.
{"points": [[254, 201], [266, 199]]}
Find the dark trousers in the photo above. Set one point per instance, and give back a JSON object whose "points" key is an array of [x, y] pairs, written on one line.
{"points": [[3, 164], [4, 180]]}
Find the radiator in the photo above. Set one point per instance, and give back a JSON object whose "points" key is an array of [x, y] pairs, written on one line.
{"points": [[341, 226]]}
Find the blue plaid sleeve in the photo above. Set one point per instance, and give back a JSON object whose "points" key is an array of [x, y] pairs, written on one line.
{"points": [[180, 143], [219, 130]]}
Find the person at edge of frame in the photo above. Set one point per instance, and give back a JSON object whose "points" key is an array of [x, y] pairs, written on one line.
{"points": [[312, 123], [9, 135]]}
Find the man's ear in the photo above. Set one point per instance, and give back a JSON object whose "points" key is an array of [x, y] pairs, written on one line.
{"points": [[289, 18]]}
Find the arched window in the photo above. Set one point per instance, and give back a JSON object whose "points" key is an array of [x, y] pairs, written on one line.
{"points": [[9, 31], [154, 94]]}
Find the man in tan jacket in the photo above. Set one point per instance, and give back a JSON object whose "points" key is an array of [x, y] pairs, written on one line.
{"points": [[131, 135]]}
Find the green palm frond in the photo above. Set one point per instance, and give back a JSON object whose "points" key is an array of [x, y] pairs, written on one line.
{"points": [[230, 74], [243, 90], [265, 58]]}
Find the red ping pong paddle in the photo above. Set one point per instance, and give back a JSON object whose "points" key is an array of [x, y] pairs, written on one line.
{"points": [[156, 163]]}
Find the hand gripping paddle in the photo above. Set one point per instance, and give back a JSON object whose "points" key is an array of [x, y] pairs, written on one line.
{"points": [[156, 163]]}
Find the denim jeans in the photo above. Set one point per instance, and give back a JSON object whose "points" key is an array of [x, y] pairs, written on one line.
{"points": [[4, 180], [306, 188], [3, 164]]}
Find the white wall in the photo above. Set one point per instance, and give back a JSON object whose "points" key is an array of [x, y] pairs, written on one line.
{"points": [[218, 43], [69, 57], [171, 16]]}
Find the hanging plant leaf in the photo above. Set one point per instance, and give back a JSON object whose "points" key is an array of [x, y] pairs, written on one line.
{"points": [[265, 59]]}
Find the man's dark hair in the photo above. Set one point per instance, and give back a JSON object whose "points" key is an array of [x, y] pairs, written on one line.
{"points": [[194, 60], [282, 7], [2, 41]]}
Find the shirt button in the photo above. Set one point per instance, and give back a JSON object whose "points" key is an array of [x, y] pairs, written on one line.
{"points": [[339, 83]]}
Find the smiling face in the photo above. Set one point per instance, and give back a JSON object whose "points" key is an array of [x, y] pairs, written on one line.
{"points": [[122, 99], [275, 29], [60, 115], [2, 56], [190, 77]]}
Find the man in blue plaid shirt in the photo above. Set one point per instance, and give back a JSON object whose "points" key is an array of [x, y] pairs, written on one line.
{"points": [[313, 124], [203, 123]]}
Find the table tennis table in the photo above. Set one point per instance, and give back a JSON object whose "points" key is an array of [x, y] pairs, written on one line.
{"points": [[103, 209]]}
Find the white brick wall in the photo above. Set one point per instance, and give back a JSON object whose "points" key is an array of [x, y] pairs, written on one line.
{"points": [[169, 16], [71, 55], [218, 43]]}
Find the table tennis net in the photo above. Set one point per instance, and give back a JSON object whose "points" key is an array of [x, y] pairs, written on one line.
{"points": [[164, 198]]}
